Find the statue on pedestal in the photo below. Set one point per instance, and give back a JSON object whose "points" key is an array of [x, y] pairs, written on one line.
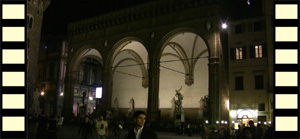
{"points": [[131, 108], [116, 104], [178, 102], [83, 97]]}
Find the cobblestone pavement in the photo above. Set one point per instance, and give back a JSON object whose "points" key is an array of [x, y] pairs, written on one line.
{"points": [[71, 132]]}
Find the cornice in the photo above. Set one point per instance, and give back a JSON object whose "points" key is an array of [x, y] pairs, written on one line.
{"points": [[143, 11]]}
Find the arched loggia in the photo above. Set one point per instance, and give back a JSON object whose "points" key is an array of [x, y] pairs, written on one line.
{"points": [[84, 73], [128, 75]]}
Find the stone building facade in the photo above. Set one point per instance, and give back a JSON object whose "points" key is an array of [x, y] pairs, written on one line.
{"points": [[250, 53], [149, 51], [141, 55], [35, 10]]}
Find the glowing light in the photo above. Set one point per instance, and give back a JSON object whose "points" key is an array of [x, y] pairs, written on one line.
{"points": [[227, 104], [236, 126], [99, 92], [265, 123], [226, 122], [222, 122], [94, 108], [259, 122], [248, 2], [270, 122], [233, 122], [42, 93], [255, 124], [61, 94], [217, 122], [91, 98], [224, 25], [46, 47], [206, 121]]}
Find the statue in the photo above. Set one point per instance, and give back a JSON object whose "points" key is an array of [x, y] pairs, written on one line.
{"points": [[132, 104], [131, 108], [178, 102], [116, 103], [83, 97]]}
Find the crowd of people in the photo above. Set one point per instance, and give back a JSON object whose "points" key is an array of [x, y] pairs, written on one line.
{"points": [[225, 132], [47, 128]]}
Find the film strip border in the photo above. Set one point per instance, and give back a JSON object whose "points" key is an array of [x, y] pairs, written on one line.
{"points": [[14, 123], [286, 69]]}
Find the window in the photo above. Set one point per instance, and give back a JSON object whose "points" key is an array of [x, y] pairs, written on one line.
{"points": [[261, 119], [259, 82], [239, 83], [261, 107], [257, 26], [238, 53], [258, 51], [238, 29], [30, 22]]}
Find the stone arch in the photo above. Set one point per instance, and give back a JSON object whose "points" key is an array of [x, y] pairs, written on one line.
{"points": [[84, 52], [191, 50], [127, 66], [139, 61]]}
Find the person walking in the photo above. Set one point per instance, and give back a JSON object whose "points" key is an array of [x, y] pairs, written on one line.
{"points": [[41, 126], [52, 128], [101, 128], [117, 129], [86, 129], [139, 131]]}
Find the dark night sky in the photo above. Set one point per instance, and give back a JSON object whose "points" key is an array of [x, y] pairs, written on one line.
{"points": [[61, 12]]}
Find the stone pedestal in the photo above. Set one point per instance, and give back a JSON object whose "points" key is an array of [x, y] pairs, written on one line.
{"points": [[179, 117]]}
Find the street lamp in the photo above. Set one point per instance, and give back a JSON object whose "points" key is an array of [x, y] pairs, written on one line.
{"points": [[206, 121], [224, 26]]}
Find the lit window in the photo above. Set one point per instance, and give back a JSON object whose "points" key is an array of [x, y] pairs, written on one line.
{"points": [[258, 51], [239, 53]]}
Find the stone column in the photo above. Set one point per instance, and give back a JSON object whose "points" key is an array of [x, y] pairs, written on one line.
{"points": [[68, 96], [106, 92], [153, 108], [214, 98]]}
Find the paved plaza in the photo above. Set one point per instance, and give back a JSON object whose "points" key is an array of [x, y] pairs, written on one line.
{"points": [[71, 132]]}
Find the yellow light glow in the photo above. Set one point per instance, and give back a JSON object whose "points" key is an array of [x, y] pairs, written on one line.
{"points": [[42, 93], [228, 104]]}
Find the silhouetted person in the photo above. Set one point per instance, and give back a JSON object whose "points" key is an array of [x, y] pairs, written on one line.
{"points": [[269, 133], [247, 132], [41, 126], [140, 131], [253, 129], [52, 128], [86, 129]]}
